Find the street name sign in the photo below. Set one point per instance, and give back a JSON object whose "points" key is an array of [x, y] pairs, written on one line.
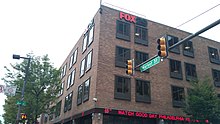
{"points": [[150, 64], [23, 103]]}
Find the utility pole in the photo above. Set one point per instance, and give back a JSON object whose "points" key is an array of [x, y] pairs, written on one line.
{"points": [[24, 84]]}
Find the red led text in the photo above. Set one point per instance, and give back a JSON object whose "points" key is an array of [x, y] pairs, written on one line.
{"points": [[128, 17]]}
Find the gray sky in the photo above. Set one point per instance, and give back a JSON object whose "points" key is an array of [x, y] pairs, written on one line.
{"points": [[54, 26]]}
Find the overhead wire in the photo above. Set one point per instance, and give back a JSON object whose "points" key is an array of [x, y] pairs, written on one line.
{"points": [[198, 15]]}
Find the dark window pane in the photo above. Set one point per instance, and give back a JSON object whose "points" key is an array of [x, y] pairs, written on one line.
{"points": [[141, 35], [188, 49], [178, 96], [175, 69], [190, 71], [213, 55], [79, 96], [123, 30], [139, 58], [86, 90], [122, 88], [171, 41], [122, 55], [142, 91], [216, 77]]}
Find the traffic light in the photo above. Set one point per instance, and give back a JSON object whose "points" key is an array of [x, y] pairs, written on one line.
{"points": [[130, 67], [23, 116], [162, 47]]}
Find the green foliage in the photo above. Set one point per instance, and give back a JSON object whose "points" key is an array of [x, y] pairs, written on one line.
{"points": [[202, 101], [42, 87]]}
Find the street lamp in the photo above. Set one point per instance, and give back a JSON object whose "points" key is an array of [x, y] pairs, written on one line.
{"points": [[24, 84]]}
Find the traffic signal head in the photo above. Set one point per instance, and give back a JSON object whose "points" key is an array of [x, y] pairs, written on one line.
{"points": [[130, 67], [23, 116], [162, 47]]}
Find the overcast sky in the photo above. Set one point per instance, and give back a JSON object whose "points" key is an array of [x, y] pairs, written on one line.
{"points": [[54, 26]]}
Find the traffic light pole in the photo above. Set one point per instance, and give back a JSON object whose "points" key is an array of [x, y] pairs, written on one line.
{"points": [[196, 34], [22, 92]]}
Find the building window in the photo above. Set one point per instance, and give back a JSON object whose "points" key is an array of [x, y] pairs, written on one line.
{"points": [[73, 58], [45, 118], [123, 30], [178, 96], [89, 61], [122, 88], [190, 71], [85, 39], [83, 92], [121, 57], [188, 49], [141, 35], [80, 93], [142, 91], [175, 69], [58, 109], [82, 67], [71, 78], [63, 71], [141, 21], [218, 96], [216, 77], [91, 35], [139, 58], [51, 117], [86, 64], [51, 113], [68, 102], [65, 104], [61, 89], [86, 90], [171, 41], [213, 55]]}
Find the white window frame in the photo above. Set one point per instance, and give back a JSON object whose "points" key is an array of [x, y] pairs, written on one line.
{"points": [[91, 35], [82, 67], [89, 61]]}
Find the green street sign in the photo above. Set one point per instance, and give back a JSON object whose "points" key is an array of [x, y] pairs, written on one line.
{"points": [[150, 63], [23, 103]]}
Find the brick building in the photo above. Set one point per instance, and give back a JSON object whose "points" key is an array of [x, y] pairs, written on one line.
{"points": [[96, 89]]}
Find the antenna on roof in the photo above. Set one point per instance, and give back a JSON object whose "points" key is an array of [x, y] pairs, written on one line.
{"points": [[123, 9], [100, 9], [100, 3]]}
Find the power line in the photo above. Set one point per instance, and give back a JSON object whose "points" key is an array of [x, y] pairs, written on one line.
{"points": [[198, 15]]}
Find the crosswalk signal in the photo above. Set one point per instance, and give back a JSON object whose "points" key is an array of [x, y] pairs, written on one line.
{"points": [[130, 67], [162, 47], [23, 116]]}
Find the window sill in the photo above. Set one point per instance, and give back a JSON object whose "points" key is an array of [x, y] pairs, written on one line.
{"points": [[188, 54], [123, 37], [190, 78], [215, 61], [178, 104], [122, 97], [143, 99], [176, 75], [175, 50], [217, 83], [141, 42]]}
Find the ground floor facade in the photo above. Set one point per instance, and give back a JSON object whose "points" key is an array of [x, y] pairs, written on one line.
{"points": [[114, 116]]}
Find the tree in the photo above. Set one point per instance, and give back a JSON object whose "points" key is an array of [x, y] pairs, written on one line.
{"points": [[202, 102], [43, 85]]}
